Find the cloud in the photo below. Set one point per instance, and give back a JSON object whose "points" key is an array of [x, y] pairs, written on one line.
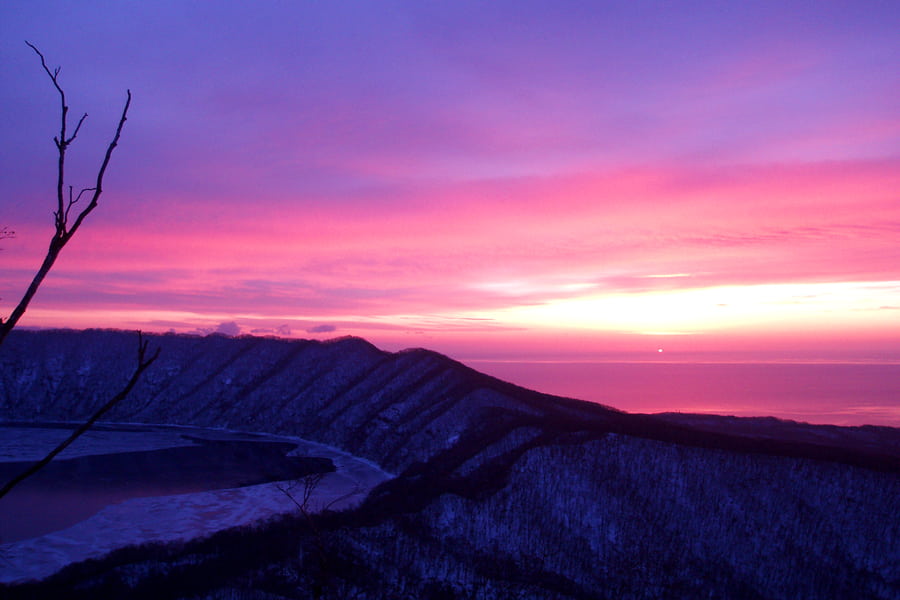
{"points": [[229, 328], [488, 168], [321, 329]]}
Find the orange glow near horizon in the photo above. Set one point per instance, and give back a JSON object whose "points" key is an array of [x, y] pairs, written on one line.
{"points": [[500, 192], [580, 254], [845, 306]]}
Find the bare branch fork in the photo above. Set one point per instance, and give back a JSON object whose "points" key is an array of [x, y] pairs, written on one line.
{"points": [[63, 230], [63, 233], [310, 483], [143, 361]]}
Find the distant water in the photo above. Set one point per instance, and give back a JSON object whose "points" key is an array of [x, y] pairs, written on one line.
{"points": [[834, 393]]}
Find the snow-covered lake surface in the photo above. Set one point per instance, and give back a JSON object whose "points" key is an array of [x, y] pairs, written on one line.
{"points": [[168, 517]]}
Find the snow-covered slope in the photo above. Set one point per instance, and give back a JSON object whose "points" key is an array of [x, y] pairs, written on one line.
{"points": [[500, 492], [392, 408]]}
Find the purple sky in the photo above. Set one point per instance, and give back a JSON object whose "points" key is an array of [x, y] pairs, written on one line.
{"points": [[492, 179]]}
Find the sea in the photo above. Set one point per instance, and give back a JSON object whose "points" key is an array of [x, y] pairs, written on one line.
{"points": [[822, 392]]}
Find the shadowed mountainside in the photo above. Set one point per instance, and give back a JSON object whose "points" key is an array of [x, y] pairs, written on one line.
{"points": [[501, 491], [392, 408]]}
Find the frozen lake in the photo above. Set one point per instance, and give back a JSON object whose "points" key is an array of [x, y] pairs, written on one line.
{"points": [[120, 485]]}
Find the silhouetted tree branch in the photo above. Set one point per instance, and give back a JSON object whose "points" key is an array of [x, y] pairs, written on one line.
{"points": [[143, 361], [63, 229], [310, 483], [62, 234]]}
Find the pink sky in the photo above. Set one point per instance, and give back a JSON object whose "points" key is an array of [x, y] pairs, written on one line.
{"points": [[490, 180]]}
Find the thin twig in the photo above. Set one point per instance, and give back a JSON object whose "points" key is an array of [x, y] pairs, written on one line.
{"points": [[77, 127]]}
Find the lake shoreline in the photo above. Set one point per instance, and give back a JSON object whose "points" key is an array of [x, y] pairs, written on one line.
{"points": [[180, 517]]}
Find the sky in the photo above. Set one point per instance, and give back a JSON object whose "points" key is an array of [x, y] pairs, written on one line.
{"points": [[492, 180]]}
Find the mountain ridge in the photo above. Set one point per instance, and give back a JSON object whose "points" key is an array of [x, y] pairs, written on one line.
{"points": [[500, 492], [310, 388]]}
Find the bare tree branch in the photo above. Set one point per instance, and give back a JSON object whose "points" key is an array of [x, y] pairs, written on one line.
{"points": [[98, 187], [143, 361], [60, 140], [52, 75], [63, 232], [61, 236], [310, 483], [77, 127]]}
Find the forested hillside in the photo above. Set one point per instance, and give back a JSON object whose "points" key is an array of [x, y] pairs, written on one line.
{"points": [[500, 492]]}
